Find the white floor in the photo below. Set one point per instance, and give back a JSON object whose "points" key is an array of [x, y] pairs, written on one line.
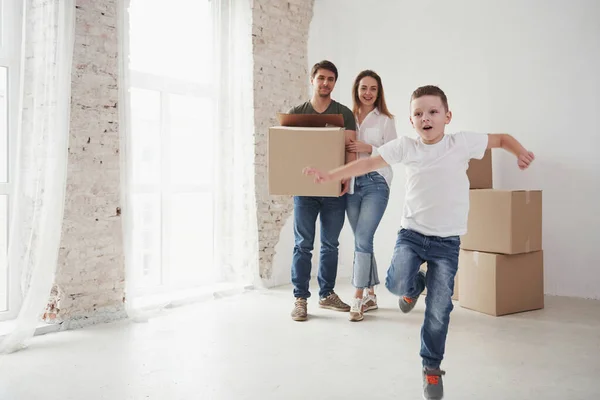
{"points": [[247, 347]]}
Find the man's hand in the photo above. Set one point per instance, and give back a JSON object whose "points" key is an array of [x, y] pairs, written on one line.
{"points": [[320, 176], [524, 159], [356, 146], [345, 186]]}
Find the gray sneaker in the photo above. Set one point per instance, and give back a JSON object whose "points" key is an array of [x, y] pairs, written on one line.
{"points": [[299, 312], [406, 304], [333, 302], [433, 385]]}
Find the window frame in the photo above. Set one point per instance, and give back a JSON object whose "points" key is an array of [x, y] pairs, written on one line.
{"points": [[11, 24]]}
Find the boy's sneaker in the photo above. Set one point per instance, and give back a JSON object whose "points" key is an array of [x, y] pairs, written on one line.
{"points": [[406, 304], [369, 302], [299, 312], [333, 302], [433, 385], [356, 311]]}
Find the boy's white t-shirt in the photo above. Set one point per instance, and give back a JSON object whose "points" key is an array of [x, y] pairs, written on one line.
{"points": [[437, 186]]}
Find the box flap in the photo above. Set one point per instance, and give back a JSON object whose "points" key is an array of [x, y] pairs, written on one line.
{"points": [[307, 129], [311, 120], [479, 172]]}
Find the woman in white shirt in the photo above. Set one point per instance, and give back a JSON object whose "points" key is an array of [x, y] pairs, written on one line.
{"points": [[375, 126]]}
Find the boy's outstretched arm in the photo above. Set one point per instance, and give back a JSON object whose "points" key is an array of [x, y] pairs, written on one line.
{"points": [[509, 143], [355, 168]]}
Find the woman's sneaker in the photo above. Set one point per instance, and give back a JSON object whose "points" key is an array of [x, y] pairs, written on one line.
{"points": [[356, 311], [369, 302]]}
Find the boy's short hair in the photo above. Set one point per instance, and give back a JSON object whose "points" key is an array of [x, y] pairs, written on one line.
{"points": [[328, 65], [430, 90]]}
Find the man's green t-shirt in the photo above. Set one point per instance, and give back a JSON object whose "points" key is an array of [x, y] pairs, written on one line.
{"points": [[334, 108]]}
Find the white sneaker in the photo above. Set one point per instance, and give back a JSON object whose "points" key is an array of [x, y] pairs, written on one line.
{"points": [[356, 312], [369, 302]]}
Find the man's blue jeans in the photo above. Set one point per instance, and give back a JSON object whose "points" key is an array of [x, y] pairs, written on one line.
{"points": [[332, 214], [403, 279]]}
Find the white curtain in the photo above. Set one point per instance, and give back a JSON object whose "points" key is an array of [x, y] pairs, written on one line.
{"points": [[126, 168], [41, 162], [236, 235], [235, 228], [124, 147]]}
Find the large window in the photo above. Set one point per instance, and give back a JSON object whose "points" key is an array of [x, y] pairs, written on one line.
{"points": [[10, 45], [171, 111]]}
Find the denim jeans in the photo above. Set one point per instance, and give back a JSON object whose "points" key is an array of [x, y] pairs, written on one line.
{"points": [[332, 214], [365, 209], [441, 255]]}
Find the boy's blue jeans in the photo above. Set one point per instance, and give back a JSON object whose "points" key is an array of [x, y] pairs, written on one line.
{"points": [[441, 255], [332, 211]]}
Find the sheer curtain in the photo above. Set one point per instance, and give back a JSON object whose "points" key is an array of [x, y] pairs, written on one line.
{"points": [[236, 235], [124, 151], [223, 84], [42, 153]]}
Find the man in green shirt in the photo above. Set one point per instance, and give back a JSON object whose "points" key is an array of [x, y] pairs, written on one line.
{"points": [[332, 210]]}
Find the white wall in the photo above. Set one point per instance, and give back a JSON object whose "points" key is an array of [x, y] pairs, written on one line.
{"points": [[529, 68]]}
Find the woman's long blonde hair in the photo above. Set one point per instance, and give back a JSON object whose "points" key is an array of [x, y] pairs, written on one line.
{"points": [[379, 102]]}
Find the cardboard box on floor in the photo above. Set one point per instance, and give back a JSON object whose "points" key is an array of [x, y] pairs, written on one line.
{"points": [[500, 284], [454, 295], [316, 140], [480, 172], [504, 221]]}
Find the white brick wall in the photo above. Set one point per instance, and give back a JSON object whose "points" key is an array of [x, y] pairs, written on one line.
{"points": [[280, 36], [90, 279]]}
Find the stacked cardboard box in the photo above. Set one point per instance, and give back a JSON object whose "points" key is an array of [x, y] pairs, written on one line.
{"points": [[501, 258]]}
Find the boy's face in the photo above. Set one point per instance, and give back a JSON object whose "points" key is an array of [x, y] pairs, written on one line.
{"points": [[323, 83], [429, 117]]}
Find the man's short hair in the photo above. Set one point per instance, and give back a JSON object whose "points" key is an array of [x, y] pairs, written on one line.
{"points": [[328, 65]]}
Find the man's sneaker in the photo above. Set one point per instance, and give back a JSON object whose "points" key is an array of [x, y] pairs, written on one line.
{"points": [[333, 302], [299, 312], [408, 303], [369, 302], [356, 311], [433, 385]]}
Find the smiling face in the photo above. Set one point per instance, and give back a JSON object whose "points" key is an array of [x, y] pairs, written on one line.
{"points": [[429, 117], [323, 82], [368, 91]]}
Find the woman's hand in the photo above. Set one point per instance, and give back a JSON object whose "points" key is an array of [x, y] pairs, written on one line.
{"points": [[356, 146]]}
